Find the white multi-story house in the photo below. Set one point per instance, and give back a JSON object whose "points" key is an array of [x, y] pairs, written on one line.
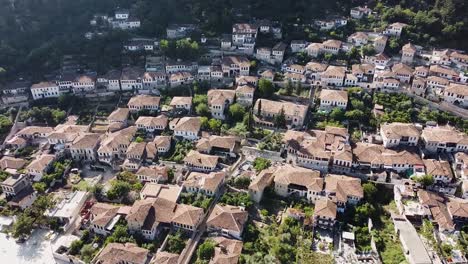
{"points": [[440, 170], [298, 46], [244, 33], [266, 110], [330, 99], [402, 72], [245, 95], [333, 76], [457, 94], [144, 102], [151, 123], [444, 139], [219, 102], [131, 79], [396, 134], [110, 80], [44, 90], [408, 52], [331, 46], [84, 84], [299, 182], [84, 146], [180, 78], [360, 11], [394, 29], [186, 127], [234, 66], [358, 38]]}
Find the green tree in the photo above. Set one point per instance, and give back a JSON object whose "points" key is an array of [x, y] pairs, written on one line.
{"points": [[237, 112], [118, 190], [265, 88], [202, 110], [261, 164], [369, 191], [425, 180], [299, 88], [204, 122], [289, 87], [337, 114], [280, 119], [23, 225], [175, 243], [206, 250], [215, 125], [40, 187], [87, 253], [75, 247]]}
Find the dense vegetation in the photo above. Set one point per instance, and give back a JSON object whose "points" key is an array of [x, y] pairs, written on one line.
{"points": [[36, 34]]}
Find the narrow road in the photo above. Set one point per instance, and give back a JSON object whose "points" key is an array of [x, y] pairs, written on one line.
{"points": [[13, 129], [187, 254]]}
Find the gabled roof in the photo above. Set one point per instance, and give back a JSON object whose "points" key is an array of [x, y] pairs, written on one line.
{"points": [[198, 159], [325, 208], [210, 182], [334, 95], [116, 253], [227, 217], [343, 187], [288, 174]]}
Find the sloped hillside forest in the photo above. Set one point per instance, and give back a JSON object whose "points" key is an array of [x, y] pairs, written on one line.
{"points": [[35, 34]]}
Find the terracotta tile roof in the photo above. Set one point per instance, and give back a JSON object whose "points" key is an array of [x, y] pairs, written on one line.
{"points": [[332, 43], [181, 100], [290, 109], [163, 141], [116, 139], [343, 186], [316, 66], [31, 130], [144, 100], [220, 97], [398, 130], [230, 60], [227, 251], [165, 191], [224, 142], [458, 89], [163, 257], [318, 143], [288, 174], [458, 208], [334, 95], [334, 71], [198, 159], [158, 173], [186, 123], [444, 134], [41, 162], [103, 213], [11, 163], [245, 89], [86, 141], [409, 48], [325, 208], [136, 149], [227, 217], [262, 180], [439, 168], [210, 182], [443, 69], [401, 68], [187, 215], [119, 115], [43, 85], [117, 253], [151, 121]]}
